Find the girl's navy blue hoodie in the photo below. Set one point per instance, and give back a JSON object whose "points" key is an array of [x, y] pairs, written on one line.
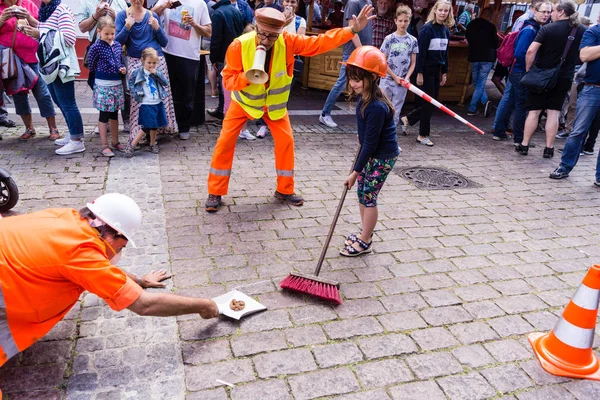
{"points": [[433, 47], [376, 133]]}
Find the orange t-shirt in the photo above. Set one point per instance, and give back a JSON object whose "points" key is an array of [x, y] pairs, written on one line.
{"points": [[47, 259]]}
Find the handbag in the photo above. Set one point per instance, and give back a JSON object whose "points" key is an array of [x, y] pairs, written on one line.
{"points": [[8, 68], [541, 80]]}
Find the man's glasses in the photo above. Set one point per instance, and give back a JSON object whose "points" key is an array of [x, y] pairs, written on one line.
{"points": [[265, 37]]}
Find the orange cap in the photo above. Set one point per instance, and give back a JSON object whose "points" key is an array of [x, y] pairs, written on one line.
{"points": [[369, 58]]}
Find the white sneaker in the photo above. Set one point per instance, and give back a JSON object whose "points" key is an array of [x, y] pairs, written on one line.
{"points": [[63, 141], [245, 134], [262, 132], [71, 147], [327, 121]]}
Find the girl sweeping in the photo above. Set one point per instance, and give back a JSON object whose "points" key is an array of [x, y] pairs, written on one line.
{"points": [[377, 137], [105, 61], [149, 89], [432, 65]]}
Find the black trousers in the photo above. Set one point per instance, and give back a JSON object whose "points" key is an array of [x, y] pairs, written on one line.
{"points": [[183, 74], [424, 109]]}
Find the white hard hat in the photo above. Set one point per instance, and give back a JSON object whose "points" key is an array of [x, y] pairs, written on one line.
{"points": [[119, 212]]}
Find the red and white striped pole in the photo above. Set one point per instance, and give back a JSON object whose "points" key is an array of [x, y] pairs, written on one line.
{"points": [[439, 105]]}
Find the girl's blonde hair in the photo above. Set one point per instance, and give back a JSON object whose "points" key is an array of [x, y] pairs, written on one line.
{"points": [[105, 22], [449, 22], [149, 52], [371, 90], [403, 10]]}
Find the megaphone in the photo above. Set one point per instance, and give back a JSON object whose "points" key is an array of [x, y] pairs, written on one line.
{"points": [[257, 74]]}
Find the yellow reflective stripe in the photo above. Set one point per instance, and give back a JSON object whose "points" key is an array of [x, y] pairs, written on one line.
{"points": [[7, 342], [276, 107], [280, 90], [220, 172], [285, 172], [254, 96], [239, 99]]}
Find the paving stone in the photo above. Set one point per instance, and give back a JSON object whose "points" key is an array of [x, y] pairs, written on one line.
{"points": [[424, 390], [500, 273], [439, 298], [353, 327], [373, 274], [556, 298], [284, 362], [431, 365], [386, 345], [546, 283], [402, 321], [199, 329], [360, 290], [304, 335], [483, 309], [265, 321], [205, 376], [398, 285], [510, 325], [405, 270], [378, 394], [467, 277], [520, 304], [445, 315], [539, 376], [435, 266], [360, 308], [254, 343], [403, 302], [383, 373], [473, 332], [550, 392], [281, 299], [435, 281], [215, 394], [433, 338], [271, 389], [337, 354], [473, 356], [312, 314], [469, 386], [323, 383], [507, 350], [507, 378], [512, 287], [583, 389]]}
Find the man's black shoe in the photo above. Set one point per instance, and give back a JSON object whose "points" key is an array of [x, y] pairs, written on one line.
{"points": [[548, 152], [293, 199], [559, 173], [213, 112], [7, 123]]}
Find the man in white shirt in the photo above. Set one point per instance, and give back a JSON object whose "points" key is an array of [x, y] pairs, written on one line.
{"points": [[184, 27]]}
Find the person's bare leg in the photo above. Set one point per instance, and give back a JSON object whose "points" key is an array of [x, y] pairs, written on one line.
{"points": [[531, 124], [102, 129], [551, 127], [51, 122], [114, 131], [27, 121], [499, 84], [153, 134]]}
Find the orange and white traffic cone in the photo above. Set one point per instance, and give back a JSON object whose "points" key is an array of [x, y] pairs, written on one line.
{"points": [[567, 349]]}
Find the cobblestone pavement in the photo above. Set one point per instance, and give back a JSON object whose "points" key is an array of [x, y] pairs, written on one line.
{"points": [[440, 310]]}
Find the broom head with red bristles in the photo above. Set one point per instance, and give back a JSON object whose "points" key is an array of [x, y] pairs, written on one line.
{"points": [[313, 285]]}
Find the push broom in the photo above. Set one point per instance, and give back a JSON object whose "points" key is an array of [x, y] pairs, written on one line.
{"points": [[323, 288]]}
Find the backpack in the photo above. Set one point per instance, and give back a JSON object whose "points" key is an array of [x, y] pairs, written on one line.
{"points": [[506, 51]]}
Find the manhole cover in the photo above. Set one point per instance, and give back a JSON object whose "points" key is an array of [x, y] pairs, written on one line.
{"points": [[433, 178]]}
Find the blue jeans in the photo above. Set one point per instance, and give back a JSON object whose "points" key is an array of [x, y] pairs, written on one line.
{"points": [[337, 89], [519, 95], [479, 72], [42, 97], [505, 109], [588, 108], [63, 95]]}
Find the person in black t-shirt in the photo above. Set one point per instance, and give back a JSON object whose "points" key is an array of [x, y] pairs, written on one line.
{"points": [[548, 47]]}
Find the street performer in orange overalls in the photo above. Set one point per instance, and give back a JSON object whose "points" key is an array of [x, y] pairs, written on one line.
{"points": [[269, 100]]}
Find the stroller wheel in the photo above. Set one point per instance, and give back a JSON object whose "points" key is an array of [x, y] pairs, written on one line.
{"points": [[9, 194]]}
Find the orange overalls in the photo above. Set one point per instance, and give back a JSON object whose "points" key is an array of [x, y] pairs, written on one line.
{"points": [[47, 259], [234, 79]]}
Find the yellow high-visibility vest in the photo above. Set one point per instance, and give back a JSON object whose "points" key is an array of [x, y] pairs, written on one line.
{"points": [[253, 98]]}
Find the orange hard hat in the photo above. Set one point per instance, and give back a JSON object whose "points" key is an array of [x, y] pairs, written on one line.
{"points": [[369, 58]]}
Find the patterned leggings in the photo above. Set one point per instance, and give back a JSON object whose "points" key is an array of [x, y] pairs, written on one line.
{"points": [[371, 180]]}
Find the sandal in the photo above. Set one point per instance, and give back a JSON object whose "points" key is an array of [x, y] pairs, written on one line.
{"points": [[118, 146], [129, 150], [54, 134], [405, 125], [352, 238], [425, 142], [29, 134], [351, 251], [107, 152]]}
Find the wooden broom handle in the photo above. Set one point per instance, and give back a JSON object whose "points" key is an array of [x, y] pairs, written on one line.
{"points": [[335, 217]]}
